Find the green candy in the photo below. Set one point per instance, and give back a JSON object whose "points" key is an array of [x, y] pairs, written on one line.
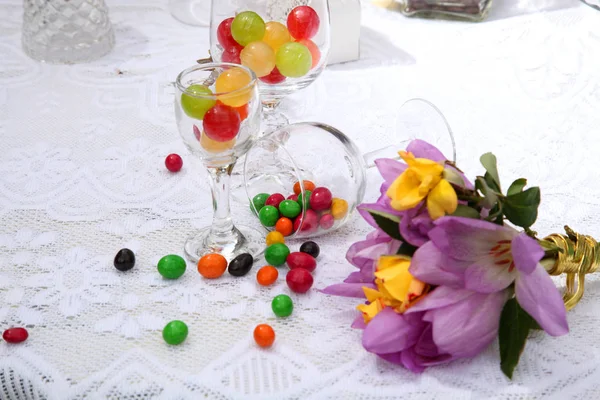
{"points": [[171, 266], [259, 201], [282, 305], [276, 254], [175, 332], [196, 107], [308, 193], [268, 215], [289, 208], [248, 27], [293, 60]]}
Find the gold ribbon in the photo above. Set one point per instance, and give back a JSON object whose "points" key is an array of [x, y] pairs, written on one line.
{"points": [[577, 255]]}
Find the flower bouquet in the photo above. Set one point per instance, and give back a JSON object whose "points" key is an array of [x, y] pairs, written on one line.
{"points": [[453, 264]]}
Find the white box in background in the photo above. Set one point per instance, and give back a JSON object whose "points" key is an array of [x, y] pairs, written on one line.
{"points": [[345, 31]]}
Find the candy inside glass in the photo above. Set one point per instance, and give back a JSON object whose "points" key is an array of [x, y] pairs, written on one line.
{"points": [[285, 43], [218, 116]]}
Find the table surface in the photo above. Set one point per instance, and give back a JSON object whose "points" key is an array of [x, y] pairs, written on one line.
{"points": [[82, 175]]}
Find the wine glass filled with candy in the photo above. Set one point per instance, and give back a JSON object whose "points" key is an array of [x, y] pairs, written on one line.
{"points": [[285, 43], [218, 116]]}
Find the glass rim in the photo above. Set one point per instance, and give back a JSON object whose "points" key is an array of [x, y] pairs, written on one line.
{"points": [[214, 65]]}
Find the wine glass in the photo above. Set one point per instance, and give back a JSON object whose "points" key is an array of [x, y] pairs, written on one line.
{"points": [[285, 43], [218, 116], [191, 12]]}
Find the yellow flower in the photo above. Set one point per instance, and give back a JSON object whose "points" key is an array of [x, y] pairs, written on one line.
{"points": [[396, 287], [423, 179]]}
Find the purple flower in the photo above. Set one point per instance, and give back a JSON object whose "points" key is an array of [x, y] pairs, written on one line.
{"points": [[487, 258]]}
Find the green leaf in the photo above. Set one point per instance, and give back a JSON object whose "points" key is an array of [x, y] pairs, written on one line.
{"points": [[522, 208], [490, 197], [515, 324], [489, 162], [517, 186], [465, 211], [491, 183], [388, 223], [406, 249]]}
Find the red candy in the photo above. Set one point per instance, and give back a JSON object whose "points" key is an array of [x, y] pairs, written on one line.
{"points": [[221, 123], [320, 199], [274, 200], [303, 22], [232, 55], [309, 222], [293, 197], [273, 78], [299, 280], [326, 221], [225, 37], [173, 162], [15, 335], [298, 259]]}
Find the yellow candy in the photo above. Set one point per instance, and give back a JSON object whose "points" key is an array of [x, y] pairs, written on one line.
{"points": [[259, 57], [276, 34], [213, 146], [233, 79], [275, 237], [339, 208]]}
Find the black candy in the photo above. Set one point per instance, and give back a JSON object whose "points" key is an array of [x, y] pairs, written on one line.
{"points": [[241, 265], [124, 260], [311, 248]]}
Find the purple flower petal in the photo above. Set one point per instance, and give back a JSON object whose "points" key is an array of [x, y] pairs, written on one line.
{"points": [[359, 322], [526, 253], [390, 169], [364, 208], [468, 239], [487, 277], [410, 360], [538, 296], [415, 226], [389, 332], [347, 289], [440, 297], [430, 265], [422, 149], [358, 277]]}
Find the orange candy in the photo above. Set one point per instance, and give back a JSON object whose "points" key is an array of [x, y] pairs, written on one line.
{"points": [[314, 51], [243, 111], [267, 275], [308, 185], [212, 266], [285, 226], [264, 335]]}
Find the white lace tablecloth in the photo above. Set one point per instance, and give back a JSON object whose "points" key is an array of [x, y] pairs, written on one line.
{"points": [[82, 175]]}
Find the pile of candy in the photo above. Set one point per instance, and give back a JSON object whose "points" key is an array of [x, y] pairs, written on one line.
{"points": [[321, 209], [272, 50], [221, 114]]}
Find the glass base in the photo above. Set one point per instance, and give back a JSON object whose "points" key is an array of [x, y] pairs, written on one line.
{"points": [[243, 240], [273, 119]]}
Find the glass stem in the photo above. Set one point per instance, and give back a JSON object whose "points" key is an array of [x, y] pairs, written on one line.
{"points": [[222, 226], [273, 118]]}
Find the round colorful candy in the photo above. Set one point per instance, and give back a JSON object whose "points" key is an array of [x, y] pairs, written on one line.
{"points": [[285, 226], [232, 55], [175, 332], [339, 208], [326, 221], [241, 265], [247, 27], [173, 162], [276, 34], [289, 208], [197, 100], [282, 305], [314, 51], [221, 123], [307, 223], [233, 87], [321, 199], [225, 37], [273, 78], [214, 146], [243, 111], [293, 60], [264, 335], [299, 280], [171, 266], [303, 22], [212, 266], [275, 200], [268, 216], [308, 185], [299, 259], [267, 275], [276, 254], [15, 335], [274, 237], [306, 203], [310, 248], [293, 197], [124, 260], [259, 57], [260, 200]]}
